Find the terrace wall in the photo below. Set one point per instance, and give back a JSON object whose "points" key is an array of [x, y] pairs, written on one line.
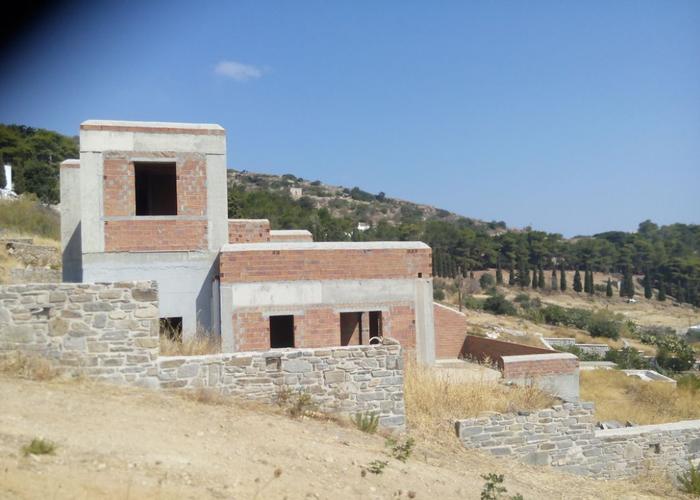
{"points": [[565, 436]]}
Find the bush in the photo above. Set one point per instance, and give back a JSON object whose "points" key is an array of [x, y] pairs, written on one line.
{"points": [[580, 353], [401, 450], [627, 358], [498, 304], [473, 303], [523, 299], [690, 480], [366, 422], [39, 447], [604, 324], [487, 281], [557, 315], [674, 354], [438, 294]]}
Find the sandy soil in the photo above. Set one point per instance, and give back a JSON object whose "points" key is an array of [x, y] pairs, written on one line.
{"points": [[127, 443]]}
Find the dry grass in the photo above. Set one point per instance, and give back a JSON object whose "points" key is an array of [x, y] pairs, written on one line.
{"points": [[28, 367], [434, 401], [623, 398], [198, 345]]}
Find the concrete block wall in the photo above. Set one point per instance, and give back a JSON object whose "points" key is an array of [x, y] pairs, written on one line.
{"points": [[103, 330], [248, 231], [343, 380], [450, 332], [565, 437], [482, 349]]}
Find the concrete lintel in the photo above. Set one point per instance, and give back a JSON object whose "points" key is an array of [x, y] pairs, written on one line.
{"points": [[343, 245], [135, 218]]}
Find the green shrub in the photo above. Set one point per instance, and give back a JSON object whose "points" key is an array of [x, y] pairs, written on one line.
{"points": [[674, 354], [627, 358], [690, 480], [523, 299], [580, 353], [376, 466], [487, 281], [498, 304], [438, 294], [604, 323], [401, 450], [494, 490], [366, 422], [473, 303], [39, 447]]}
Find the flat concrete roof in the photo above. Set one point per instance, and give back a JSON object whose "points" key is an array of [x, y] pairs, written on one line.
{"points": [[107, 124], [339, 245]]}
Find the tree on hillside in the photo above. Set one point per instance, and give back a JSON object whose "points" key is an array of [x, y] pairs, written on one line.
{"points": [[662, 292], [586, 281], [591, 283], [524, 275], [540, 279], [562, 279], [511, 276], [3, 180], [499, 273], [534, 278], [577, 282], [627, 285], [608, 288], [555, 281], [647, 286]]}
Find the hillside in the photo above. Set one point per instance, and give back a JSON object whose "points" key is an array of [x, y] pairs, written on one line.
{"points": [[130, 443]]}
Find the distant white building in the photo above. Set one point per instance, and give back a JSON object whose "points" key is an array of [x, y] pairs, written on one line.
{"points": [[7, 191], [362, 226], [295, 192]]}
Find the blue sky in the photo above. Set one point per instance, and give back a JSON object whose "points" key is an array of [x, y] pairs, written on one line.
{"points": [[573, 117]]}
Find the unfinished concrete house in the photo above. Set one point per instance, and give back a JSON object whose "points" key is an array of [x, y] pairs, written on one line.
{"points": [[148, 201]]}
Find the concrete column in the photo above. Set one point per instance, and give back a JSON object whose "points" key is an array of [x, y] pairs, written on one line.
{"points": [[71, 248], [425, 328], [227, 336]]}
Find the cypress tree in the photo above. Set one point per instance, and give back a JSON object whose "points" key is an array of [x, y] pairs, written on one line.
{"points": [[591, 284], [586, 281], [524, 277], [534, 279], [577, 282], [661, 297], [647, 286], [562, 278], [540, 280], [555, 281], [499, 273], [608, 289], [627, 286], [511, 276]]}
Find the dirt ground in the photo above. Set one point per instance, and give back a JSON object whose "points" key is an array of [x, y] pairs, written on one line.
{"points": [[128, 443]]}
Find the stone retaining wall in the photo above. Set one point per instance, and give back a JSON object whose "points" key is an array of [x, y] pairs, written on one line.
{"points": [[110, 331], [104, 330], [344, 380], [565, 436]]}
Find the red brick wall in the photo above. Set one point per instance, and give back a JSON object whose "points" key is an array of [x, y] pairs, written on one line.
{"points": [[480, 348], [292, 265], [155, 235], [248, 231], [317, 327], [450, 332], [534, 369], [142, 234]]}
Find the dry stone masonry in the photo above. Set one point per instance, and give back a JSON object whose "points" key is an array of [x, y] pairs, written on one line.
{"points": [[345, 380], [565, 436], [104, 330], [110, 331]]}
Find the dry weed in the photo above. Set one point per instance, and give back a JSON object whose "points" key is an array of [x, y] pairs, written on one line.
{"points": [[434, 401], [619, 397], [28, 367], [198, 345]]}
